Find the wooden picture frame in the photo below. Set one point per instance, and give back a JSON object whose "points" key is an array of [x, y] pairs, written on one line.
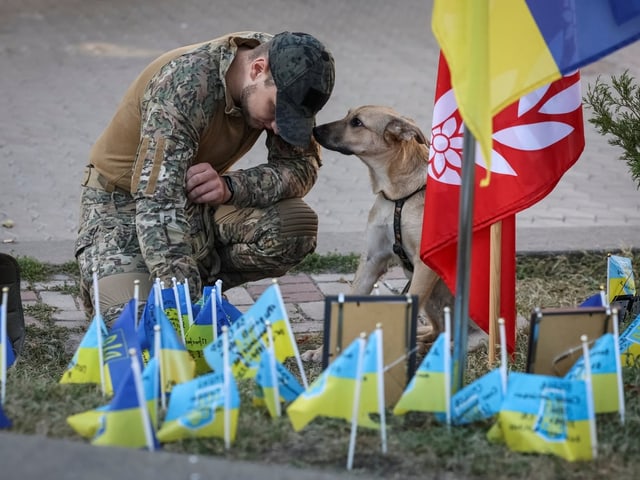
{"points": [[347, 316], [554, 337]]}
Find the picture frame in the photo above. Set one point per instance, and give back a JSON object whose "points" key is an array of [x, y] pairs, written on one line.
{"points": [[347, 316], [554, 336]]}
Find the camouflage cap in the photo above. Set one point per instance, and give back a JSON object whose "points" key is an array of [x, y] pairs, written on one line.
{"points": [[303, 71]]}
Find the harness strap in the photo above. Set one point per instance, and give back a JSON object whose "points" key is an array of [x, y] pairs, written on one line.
{"points": [[398, 249]]}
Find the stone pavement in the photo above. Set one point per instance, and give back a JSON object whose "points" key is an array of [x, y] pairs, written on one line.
{"points": [[67, 63]]}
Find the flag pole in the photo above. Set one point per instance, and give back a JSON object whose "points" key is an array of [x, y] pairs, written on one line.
{"points": [[616, 346], [463, 265], [495, 257], [590, 405]]}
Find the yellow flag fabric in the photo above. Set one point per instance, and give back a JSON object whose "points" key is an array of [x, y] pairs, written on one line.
{"points": [[84, 366]]}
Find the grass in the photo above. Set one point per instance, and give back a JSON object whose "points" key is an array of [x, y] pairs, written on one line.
{"points": [[418, 445]]}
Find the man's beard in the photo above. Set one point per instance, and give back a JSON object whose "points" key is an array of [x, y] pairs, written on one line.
{"points": [[244, 106]]}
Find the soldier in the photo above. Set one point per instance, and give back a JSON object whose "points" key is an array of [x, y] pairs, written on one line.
{"points": [[159, 199]]}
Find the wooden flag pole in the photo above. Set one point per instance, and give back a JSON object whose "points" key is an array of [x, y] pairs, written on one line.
{"points": [[495, 257]]}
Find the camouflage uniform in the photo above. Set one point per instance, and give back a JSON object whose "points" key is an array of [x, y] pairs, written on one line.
{"points": [[135, 220]]}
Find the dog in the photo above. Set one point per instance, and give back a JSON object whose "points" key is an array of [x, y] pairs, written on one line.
{"points": [[396, 153]]}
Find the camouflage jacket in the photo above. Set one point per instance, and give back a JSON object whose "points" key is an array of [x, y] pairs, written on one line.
{"points": [[178, 113]]}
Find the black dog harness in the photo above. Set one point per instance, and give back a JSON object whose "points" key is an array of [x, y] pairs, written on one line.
{"points": [[398, 249]]}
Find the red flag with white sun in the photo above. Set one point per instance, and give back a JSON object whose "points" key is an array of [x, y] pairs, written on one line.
{"points": [[535, 141]]}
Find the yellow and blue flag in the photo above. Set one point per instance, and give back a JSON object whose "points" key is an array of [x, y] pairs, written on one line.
{"points": [[630, 343], [620, 278], [123, 423], [196, 409], [248, 336], [121, 337], [176, 364], [426, 390], [500, 50], [546, 414], [332, 394], [87, 423], [604, 374], [84, 366], [266, 379], [200, 333]]}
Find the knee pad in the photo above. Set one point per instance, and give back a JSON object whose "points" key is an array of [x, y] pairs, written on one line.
{"points": [[297, 218]]}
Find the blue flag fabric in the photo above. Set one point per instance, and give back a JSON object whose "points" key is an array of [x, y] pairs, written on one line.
{"points": [[121, 337], [10, 356], [4, 420], [479, 400]]}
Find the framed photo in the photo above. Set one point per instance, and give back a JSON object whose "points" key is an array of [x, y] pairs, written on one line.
{"points": [[554, 337], [346, 317]]}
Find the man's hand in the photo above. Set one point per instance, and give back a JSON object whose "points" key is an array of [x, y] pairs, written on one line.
{"points": [[205, 185]]}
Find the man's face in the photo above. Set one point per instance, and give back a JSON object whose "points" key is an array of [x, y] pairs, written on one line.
{"points": [[258, 103]]}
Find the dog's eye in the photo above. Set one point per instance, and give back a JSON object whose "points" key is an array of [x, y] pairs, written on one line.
{"points": [[355, 122]]}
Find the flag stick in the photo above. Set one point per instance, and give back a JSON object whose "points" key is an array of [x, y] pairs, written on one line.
{"points": [[144, 412], [616, 343], [495, 257], [96, 307], [356, 401], [503, 355], [157, 347], [176, 295], [159, 286], [292, 339], [136, 301], [380, 385], [214, 312], [447, 363], [463, 265], [272, 370], [604, 298], [226, 373], [187, 296], [590, 405], [3, 342]]}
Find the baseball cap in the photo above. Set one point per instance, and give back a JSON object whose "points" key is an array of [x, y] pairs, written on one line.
{"points": [[303, 71]]}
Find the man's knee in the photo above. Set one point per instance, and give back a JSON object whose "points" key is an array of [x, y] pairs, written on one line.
{"points": [[115, 291], [292, 235]]}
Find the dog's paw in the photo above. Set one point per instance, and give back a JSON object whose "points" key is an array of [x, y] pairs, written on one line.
{"points": [[314, 356]]}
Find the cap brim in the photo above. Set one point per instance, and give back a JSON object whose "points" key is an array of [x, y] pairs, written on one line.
{"points": [[293, 125]]}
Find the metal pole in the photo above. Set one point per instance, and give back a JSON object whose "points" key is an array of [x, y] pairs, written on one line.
{"points": [[463, 266]]}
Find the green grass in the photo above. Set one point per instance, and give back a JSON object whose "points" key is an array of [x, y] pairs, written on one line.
{"points": [[418, 445]]}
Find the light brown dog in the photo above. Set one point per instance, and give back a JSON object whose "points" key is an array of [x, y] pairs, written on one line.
{"points": [[395, 150]]}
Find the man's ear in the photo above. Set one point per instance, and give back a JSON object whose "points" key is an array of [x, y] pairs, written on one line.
{"points": [[258, 66]]}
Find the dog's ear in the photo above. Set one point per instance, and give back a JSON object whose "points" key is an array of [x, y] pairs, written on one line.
{"points": [[404, 129]]}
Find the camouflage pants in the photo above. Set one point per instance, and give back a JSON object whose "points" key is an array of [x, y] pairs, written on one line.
{"points": [[249, 244]]}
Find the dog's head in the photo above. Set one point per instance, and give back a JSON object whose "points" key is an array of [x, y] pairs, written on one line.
{"points": [[368, 131]]}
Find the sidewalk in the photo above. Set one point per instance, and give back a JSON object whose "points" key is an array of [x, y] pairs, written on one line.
{"points": [[303, 295]]}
